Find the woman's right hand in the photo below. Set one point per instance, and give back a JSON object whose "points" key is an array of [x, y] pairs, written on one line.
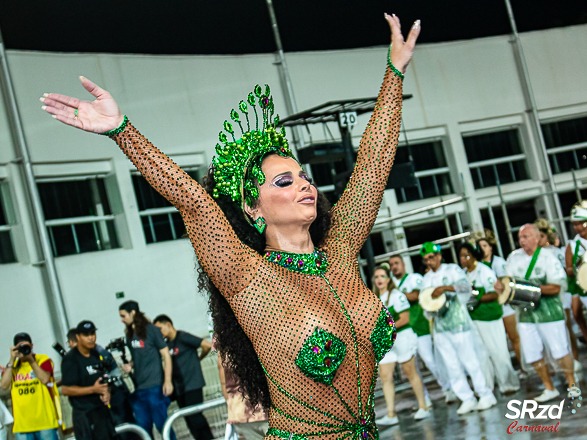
{"points": [[97, 116]]}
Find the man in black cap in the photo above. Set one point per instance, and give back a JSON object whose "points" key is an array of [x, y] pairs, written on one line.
{"points": [[85, 381], [29, 376]]}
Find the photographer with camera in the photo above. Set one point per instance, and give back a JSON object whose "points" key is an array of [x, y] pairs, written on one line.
{"points": [[86, 381], [29, 376]]}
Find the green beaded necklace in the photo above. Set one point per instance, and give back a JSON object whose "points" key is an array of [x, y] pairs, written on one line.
{"points": [[315, 263]]}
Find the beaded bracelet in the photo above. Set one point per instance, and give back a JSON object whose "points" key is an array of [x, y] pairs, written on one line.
{"points": [[391, 66], [118, 129]]}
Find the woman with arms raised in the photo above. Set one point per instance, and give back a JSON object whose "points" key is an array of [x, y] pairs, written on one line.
{"points": [[292, 315]]}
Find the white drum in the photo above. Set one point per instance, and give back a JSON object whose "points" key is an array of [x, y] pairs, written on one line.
{"points": [[438, 305]]}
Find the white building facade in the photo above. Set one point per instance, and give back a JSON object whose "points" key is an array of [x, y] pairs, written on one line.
{"points": [[466, 128]]}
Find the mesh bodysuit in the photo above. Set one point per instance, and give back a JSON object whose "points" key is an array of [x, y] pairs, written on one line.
{"points": [[289, 316]]}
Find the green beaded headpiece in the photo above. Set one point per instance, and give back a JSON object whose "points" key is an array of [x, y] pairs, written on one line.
{"points": [[237, 166]]}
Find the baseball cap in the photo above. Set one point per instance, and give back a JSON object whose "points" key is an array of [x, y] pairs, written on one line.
{"points": [[22, 336], [430, 248], [85, 327]]}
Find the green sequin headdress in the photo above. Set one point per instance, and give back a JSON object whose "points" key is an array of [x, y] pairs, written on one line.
{"points": [[237, 164]]}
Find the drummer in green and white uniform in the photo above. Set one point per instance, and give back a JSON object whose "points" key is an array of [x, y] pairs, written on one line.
{"points": [[543, 326], [486, 313], [410, 284], [454, 334], [574, 253]]}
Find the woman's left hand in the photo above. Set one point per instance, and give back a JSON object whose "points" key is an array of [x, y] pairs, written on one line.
{"points": [[402, 50]]}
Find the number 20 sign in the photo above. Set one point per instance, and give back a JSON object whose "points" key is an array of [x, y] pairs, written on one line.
{"points": [[347, 119]]}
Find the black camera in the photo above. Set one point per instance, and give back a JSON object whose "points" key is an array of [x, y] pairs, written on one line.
{"points": [[59, 349], [110, 380], [117, 344], [24, 349], [105, 377]]}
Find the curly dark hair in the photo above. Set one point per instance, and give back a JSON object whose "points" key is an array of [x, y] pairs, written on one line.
{"points": [[475, 251], [233, 345]]}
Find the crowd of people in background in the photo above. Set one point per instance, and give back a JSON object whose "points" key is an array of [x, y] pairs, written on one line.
{"points": [[468, 339], [469, 317]]}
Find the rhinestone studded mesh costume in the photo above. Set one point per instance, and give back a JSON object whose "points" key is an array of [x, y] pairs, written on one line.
{"points": [[318, 336]]}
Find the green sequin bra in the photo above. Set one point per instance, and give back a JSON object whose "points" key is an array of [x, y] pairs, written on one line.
{"points": [[315, 263]]}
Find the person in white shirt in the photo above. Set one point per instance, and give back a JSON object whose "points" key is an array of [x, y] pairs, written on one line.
{"points": [[486, 312], [410, 284], [454, 333], [497, 264], [543, 326], [403, 350], [574, 253], [546, 242]]}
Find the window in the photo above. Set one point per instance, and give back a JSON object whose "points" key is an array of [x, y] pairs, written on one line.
{"points": [[566, 144], [6, 247], [495, 157], [431, 171], [77, 215], [160, 219]]}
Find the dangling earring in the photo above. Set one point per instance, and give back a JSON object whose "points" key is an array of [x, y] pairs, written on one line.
{"points": [[260, 224]]}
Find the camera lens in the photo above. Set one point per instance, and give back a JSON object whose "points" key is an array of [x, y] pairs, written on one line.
{"points": [[25, 350]]}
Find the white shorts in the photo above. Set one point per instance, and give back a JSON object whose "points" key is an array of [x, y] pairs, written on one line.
{"points": [[566, 299], [508, 311], [534, 337], [583, 300], [404, 349]]}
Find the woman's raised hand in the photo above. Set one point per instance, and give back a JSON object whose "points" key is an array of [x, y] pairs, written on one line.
{"points": [[402, 50], [97, 116]]}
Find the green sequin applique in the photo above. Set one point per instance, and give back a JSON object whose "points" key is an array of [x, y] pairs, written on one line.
{"points": [[315, 263], [320, 356], [383, 335]]}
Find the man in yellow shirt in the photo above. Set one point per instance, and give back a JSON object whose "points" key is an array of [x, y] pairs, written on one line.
{"points": [[29, 376]]}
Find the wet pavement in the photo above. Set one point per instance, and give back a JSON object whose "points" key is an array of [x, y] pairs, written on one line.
{"points": [[444, 423]]}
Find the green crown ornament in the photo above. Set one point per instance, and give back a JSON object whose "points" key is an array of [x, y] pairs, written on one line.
{"points": [[237, 164]]}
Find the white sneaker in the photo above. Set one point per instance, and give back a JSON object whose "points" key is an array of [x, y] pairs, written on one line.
{"points": [[450, 396], [467, 406], [547, 395], [573, 392], [388, 421], [486, 402], [421, 414]]}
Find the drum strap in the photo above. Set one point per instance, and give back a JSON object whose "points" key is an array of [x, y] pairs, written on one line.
{"points": [[532, 263], [576, 254], [402, 281]]}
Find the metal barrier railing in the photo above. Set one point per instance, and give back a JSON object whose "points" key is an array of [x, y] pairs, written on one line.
{"points": [[188, 411], [129, 427], [125, 427]]}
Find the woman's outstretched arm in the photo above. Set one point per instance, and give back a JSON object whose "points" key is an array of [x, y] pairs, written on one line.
{"points": [[229, 263], [354, 214]]}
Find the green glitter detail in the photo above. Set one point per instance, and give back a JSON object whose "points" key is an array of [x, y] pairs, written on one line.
{"points": [[118, 129], [285, 434], [392, 67], [237, 164], [320, 356], [383, 335], [315, 263], [355, 341], [295, 399]]}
